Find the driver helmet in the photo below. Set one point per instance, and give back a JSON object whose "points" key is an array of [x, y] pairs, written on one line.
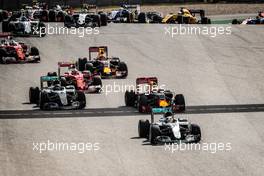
{"points": [[74, 72], [167, 114]]}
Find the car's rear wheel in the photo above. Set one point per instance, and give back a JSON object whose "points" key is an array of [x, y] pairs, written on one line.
{"points": [[81, 64], [2, 54], [196, 131], [130, 98], [143, 102], [81, 99], [154, 132], [97, 81], [123, 67], [143, 128], [142, 18], [5, 26], [103, 18], [34, 51], [179, 101], [89, 67], [34, 95], [43, 100], [52, 16]]}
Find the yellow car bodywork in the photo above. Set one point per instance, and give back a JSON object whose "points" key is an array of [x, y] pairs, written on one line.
{"points": [[185, 13]]}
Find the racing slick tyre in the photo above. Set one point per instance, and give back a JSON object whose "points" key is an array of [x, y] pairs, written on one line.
{"points": [[34, 95], [179, 101], [1, 16], [81, 99], [103, 18], [5, 26], [205, 20], [34, 51], [235, 21], [60, 17], [81, 64], [52, 16], [43, 100], [96, 20], [154, 132], [5, 15], [142, 18], [130, 98], [89, 67], [143, 102], [143, 128], [68, 21], [2, 54], [123, 67], [127, 16], [97, 81], [196, 131]]}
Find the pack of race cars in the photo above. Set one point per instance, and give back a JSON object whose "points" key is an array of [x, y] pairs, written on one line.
{"points": [[66, 88]]}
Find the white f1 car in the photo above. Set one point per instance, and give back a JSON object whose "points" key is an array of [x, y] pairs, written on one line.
{"points": [[168, 129]]}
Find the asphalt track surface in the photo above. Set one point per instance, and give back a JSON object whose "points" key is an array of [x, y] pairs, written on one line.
{"points": [[221, 78]]}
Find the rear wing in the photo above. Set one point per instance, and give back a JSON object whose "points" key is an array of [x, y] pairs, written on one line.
{"points": [[135, 7], [146, 80], [98, 49], [197, 11], [89, 7], [64, 64], [160, 111], [48, 79]]}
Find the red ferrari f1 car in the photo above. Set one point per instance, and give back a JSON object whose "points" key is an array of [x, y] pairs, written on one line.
{"points": [[84, 81], [17, 52], [148, 96]]}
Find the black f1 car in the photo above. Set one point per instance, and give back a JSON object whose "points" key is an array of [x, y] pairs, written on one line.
{"points": [[51, 95], [150, 17], [168, 129], [106, 67], [148, 95], [17, 52]]}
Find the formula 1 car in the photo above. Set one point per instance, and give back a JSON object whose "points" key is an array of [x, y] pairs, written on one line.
{"points": [[52, 96], [106, 67], [258, 20], [82, 81], [168, 129], [37, 11], [187, 16], [22, 26], [148, 95], [150, 17], [126, 14], [17, 52], [86, 18]]}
